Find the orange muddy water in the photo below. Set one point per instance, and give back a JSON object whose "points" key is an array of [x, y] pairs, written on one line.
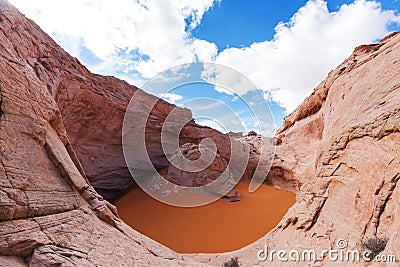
{"points": [[217, 227]]}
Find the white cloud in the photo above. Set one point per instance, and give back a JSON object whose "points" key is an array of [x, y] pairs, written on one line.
{"points": [[149, 36], [205, 51], [154, 29], [226, 80], [213, 124], [171, 97], [305, 49]]}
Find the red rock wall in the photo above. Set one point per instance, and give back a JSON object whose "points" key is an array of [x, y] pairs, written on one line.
{"points": [[341, 148], [49, 213], [93, 107]]}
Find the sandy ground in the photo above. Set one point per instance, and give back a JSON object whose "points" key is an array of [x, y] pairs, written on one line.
{"points": [[217, 227]]}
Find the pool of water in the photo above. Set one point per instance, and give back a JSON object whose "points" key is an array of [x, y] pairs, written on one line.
{"points": [[217, 227]]}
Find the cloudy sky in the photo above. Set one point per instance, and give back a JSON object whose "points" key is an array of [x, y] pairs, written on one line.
{"points": [[284, 47]]}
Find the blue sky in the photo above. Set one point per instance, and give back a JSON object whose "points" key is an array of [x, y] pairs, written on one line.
{"points": [[284, 47], [233, 24]]}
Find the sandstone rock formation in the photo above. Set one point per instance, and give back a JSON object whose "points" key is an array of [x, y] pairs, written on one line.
{"points": [[217, 168], [61, 135], [92, 107], [60, 144], [92, 110], [50, 215], [340, 150]]}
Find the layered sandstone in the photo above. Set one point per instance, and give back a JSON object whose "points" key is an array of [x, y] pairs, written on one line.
{"points": [[50, 215], [62, 153], [341, 150], [92, 107], [61, 134]]}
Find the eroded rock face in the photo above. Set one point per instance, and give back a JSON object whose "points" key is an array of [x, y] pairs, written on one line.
{"points": [[189, 157], [49, 213], [247, 158], [192, 153], [92, 108], [61, 129], [341, 149]]}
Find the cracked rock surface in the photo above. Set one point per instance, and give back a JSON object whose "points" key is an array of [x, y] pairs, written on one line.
{"points": [[91, 107], [60, 155], [341, 150], [50, 215]]}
